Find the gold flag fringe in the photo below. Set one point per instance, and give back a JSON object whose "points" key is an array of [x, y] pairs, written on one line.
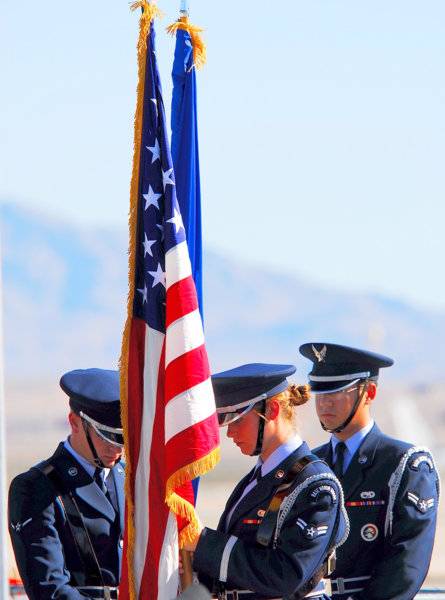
{"points": [[150, 11], [179, 505], [199, 48]]}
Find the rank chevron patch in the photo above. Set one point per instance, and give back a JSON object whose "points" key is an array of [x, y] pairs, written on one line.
{"points": [[422, 504], [311, 531]]}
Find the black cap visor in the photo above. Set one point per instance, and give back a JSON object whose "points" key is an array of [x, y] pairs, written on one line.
{"points": [[112, 435], [227, 417]]}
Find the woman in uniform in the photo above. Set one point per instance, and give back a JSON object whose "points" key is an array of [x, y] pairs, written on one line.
{"points": [[283, 521]]}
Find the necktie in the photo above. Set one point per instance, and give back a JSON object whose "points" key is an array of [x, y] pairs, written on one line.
{"points": [[99, 478], [339, 459], [256, 475]]}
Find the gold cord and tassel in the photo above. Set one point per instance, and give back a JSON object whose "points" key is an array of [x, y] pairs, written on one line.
{"points": [[199, 48]]}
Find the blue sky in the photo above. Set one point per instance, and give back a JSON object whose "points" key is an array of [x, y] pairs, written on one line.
{"points": [[321, 127]]}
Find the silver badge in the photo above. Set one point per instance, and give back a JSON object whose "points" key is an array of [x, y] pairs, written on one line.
{"points": [[367, 495], [72, 471], [362, 459], [369, 532], [320, 355]]}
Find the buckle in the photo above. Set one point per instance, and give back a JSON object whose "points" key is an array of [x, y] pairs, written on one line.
{"points": [[340, 585], [331, 562]]}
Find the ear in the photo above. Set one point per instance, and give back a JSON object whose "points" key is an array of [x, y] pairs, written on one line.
{"points": [[371, 391], [273, 409], [75, 422]]}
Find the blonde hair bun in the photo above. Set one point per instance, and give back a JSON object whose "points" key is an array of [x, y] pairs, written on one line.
{"points": [[299, 394]]}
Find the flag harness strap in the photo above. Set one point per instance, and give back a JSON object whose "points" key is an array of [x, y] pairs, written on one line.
{"points": [[269, 522], [76, 523]]}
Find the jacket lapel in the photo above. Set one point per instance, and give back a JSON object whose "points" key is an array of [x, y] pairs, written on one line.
{"points": [[325, 453], [233, 498], [361, 462], [119, 477], [76, 479], [261, 495]]}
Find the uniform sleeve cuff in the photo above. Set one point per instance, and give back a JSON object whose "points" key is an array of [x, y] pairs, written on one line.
{"points": [[212, 553]]}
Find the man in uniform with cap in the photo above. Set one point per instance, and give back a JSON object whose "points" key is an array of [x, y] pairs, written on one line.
{"points": [[66, 514], [391, 487]]}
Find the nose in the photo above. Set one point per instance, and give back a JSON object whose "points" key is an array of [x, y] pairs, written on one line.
{"points": [[325, 399], [230, 428]]}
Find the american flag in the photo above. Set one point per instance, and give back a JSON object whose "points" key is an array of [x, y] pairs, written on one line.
{"points": [[168, 409]]}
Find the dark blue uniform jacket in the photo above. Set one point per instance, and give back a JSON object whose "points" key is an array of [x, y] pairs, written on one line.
{"points": [[391, 493], [44, 547], [313, 524]]}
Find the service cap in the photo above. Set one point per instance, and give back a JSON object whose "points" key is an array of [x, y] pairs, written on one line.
{"points": [[338, 367], [94, 395], [238, 390]]}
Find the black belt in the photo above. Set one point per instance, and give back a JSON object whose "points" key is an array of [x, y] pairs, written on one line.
{"points": [[318, 592], [242, 595], [349, 585], [99, 592]]}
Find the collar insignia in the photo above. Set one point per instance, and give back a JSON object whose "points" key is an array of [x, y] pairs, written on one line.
{"points": [[279, 474], [362, 460], [320, 355], [72, 471]]}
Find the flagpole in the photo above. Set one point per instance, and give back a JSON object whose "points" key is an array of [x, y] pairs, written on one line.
{"points": [[184, 7], [4, 585]]}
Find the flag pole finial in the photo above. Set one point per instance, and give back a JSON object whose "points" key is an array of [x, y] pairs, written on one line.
{"points": [[199, 47]]}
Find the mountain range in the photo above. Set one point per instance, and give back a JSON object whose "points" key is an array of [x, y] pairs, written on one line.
{"points": [[64, 302]]}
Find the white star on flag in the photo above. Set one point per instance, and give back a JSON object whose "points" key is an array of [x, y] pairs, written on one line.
{"points": [[147, 245], [176, 220], [155, 151], [158, 276], [161, 229], [167, 177], [144, 293], [151, 198]]}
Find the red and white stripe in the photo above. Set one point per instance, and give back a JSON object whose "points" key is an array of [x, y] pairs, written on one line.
{"points": [[171, 422]]}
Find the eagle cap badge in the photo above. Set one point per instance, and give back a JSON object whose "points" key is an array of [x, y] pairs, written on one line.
{"points": [[320, 355]]}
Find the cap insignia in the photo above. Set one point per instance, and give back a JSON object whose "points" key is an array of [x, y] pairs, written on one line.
{"points": [[320, 355]]}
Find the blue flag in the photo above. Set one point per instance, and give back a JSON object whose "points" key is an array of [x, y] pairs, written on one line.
{"points": [[185, 153]]}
